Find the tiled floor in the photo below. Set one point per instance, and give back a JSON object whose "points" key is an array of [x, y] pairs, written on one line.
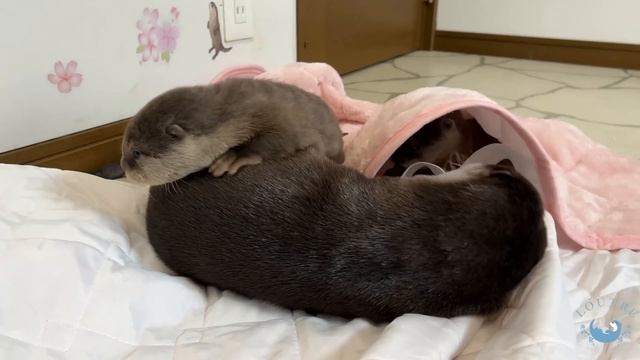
{"points": [[603, 102]]}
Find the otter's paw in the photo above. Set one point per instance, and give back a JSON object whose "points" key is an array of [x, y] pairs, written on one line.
{"points": [[475, 171], [465, 173], [223, 163], [242, 161]]}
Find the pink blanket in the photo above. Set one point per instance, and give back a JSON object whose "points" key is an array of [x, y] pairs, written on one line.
{"points": [[593, 194]]}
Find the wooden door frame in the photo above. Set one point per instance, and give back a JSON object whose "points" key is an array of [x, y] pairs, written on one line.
{"points": [[309, 30], [430, 18]]}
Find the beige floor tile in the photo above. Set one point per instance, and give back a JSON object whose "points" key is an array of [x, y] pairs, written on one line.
{"points": [[495, 59], [621, 140], [425, 53], [610, 106], [512, 79], [382, 71], [527, 113], [504, 102], [632, 82], [502, 83], [368, 96], [533, 65], [575, 80], [396, 86], [437, 66]]}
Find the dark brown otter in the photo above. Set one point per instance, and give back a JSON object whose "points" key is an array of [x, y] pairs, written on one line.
{"points": [[307, 233]]}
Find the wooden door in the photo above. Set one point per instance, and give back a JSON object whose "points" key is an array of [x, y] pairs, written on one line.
{"points": [[351, 34]]}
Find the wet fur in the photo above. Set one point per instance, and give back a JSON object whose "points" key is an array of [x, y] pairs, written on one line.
{"points": [[306, 233], [271, 119]]}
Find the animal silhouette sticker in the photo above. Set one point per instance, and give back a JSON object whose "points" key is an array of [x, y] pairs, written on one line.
{"points": [[214, 31], [608, 335]]}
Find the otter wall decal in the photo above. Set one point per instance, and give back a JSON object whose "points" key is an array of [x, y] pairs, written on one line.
{"points": [[214, 31]]}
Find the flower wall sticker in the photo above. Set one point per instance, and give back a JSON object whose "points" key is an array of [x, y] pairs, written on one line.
{"points": [[157, 41], [65, 77]]}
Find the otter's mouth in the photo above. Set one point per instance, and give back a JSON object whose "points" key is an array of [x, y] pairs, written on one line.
{"points": [[144, 178]]}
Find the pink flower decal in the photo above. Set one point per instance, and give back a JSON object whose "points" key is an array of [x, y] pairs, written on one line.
{"points": [[174, 14], [155, 41], [65, 77], [149, 45], [148, 20], [168, 34]]}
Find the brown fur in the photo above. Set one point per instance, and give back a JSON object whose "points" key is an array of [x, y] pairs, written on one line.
{"points": [[306, 233]]}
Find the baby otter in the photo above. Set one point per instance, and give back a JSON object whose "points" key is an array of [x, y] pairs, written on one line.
{"points": [[446, 141], [226, 126]]}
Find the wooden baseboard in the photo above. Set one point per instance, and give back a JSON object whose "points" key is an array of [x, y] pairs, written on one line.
{"points": [[626, 56], [86, 151]]}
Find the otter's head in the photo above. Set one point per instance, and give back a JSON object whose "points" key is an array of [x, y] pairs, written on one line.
{"points": [[174, 135]]}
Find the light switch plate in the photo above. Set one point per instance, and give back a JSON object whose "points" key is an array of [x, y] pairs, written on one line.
{"points": [[240, 11], [238, 19]]}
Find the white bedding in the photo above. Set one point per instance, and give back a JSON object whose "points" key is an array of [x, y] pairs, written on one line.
{"points": [[79, 281]]}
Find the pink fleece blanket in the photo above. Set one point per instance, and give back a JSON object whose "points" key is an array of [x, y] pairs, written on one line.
{"points": [[593, 194]]}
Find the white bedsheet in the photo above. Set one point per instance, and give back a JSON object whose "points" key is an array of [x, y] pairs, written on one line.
{"points": [[79, 281]]}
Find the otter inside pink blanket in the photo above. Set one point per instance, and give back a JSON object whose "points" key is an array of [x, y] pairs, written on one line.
{"points": [[592, 193]]}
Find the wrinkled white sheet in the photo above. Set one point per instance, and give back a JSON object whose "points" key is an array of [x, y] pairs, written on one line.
{"points": [[79, 281]]}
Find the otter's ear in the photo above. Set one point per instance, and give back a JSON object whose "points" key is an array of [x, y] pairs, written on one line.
{"points": [[175, 131]]}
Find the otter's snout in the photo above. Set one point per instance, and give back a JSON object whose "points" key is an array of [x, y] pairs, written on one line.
{"points": [[502, 169]]}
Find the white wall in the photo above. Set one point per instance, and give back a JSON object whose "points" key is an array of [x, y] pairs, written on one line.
{"points": [[101, 36], [589, 20]]}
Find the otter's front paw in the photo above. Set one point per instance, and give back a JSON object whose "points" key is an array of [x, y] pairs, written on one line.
{"points": [[465, 173], [222, 164], [230, 162], [475, 171], [244, 160]]}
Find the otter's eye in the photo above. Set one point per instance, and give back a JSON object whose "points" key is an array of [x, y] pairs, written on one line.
{"points": [[448, 124], [136, 154]]}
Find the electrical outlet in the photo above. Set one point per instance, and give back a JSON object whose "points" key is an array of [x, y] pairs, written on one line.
{"points": [[238, 23], [240, 11]]}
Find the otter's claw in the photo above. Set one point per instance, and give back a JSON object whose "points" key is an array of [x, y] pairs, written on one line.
{"points": [[230, 162], [222, 164]]}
